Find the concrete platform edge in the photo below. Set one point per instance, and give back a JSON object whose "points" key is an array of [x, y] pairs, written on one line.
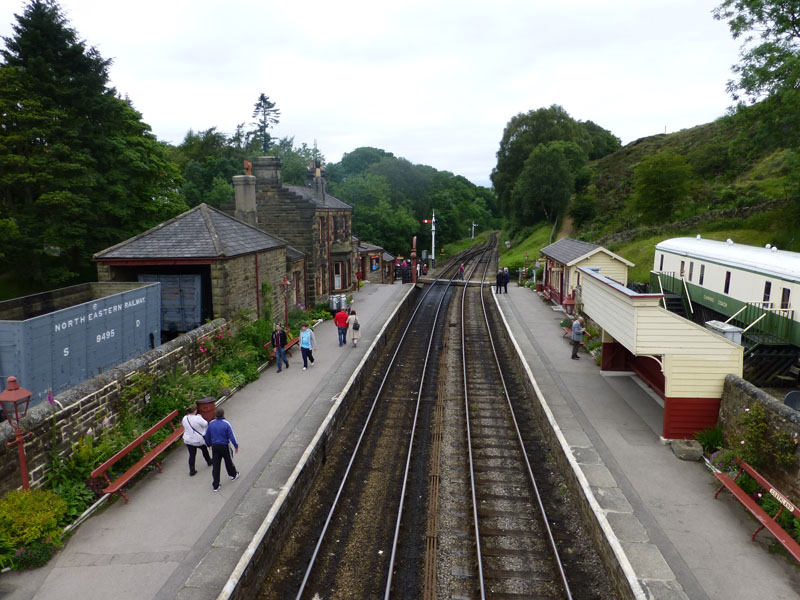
{"points": [[238, 575], [610, 537]]}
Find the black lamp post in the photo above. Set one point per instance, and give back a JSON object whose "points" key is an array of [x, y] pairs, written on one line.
{"points": [[15, 401]]}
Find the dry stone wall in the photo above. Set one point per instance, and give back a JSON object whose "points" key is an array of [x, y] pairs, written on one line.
{"points": [[88, 405], [738, 395]]}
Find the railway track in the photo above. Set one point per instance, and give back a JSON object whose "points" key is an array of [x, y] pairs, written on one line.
{"points": [[392, 514], [357, 531], [516, 554]]}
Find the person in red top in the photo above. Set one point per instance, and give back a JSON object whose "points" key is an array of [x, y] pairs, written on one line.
{"points": [[340, 320]]}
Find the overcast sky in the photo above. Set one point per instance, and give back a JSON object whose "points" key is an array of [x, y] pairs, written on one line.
{"points": [[434, 82]]}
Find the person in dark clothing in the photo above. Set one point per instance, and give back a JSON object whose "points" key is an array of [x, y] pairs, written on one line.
{"points": [[219, 436], [279, 342], [499, 280], [506, 278], [577, 336]]}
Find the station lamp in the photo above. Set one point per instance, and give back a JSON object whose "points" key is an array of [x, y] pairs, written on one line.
{"points": [[15, 400]]}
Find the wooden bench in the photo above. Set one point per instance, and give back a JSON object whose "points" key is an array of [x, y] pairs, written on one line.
{"points": [[770, 523], [289, 345], [150, 455]]}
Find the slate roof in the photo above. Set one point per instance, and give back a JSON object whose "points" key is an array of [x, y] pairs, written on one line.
{"points": [[365, 247], [388, 257], [566, 250], [201, 232], [293, 253], [308, 194]]}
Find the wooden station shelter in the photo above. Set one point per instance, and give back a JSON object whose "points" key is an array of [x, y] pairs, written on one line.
{"points": [[684, 363]]}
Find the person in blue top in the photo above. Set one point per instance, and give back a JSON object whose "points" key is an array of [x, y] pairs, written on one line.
{"points": [[308, 342], [219, 436]]}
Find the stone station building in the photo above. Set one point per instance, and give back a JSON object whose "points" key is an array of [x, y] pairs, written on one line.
{"points": [[210, 265], [308, 217]]}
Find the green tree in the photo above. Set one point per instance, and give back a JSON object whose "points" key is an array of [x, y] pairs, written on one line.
{"points": [[661, 181], [544, 187], [79, 170], [266, 116], [770, 34]]}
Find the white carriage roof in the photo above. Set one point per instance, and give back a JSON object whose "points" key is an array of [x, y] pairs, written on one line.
{"points": [[776, 263]]}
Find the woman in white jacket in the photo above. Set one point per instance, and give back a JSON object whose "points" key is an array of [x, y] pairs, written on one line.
{"points": [[194, 428]]}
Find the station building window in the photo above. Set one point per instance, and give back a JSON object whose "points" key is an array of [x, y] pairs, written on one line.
{"points": [[702, 274], [727, 282], [767, 290]]}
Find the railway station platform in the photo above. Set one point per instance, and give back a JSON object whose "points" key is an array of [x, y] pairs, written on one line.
{"points": [[177, 538], [679, 541]]}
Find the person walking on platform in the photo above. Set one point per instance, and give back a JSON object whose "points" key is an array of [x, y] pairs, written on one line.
{"points": [[308, 343], [219, 436], [340, 320], [194, 430], [506, 279], [577, 336], [279, 342], [499, 280], [355, 327]]}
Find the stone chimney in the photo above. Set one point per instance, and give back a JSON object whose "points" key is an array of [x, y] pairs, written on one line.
{"points": [[267, 169], [316, 180], [244, 196]]}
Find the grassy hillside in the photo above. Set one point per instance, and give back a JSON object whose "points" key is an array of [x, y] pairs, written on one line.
{"points": [[743, 185]]}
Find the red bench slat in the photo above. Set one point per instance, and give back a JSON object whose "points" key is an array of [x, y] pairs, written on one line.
{"points": [[137, 442], [143, 462], [291, 343], [786, 540]]}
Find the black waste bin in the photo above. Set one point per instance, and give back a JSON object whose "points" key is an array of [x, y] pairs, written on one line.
{"points": [[207, 408]]}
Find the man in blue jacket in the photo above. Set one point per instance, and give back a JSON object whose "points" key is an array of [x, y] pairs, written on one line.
{"points": [[219, 436]]}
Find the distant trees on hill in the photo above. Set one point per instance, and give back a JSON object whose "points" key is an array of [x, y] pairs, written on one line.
{"points": [[539, 162], [390, 197]]}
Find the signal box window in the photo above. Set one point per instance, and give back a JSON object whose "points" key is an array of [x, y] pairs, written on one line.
{"points": [[727, 282]]}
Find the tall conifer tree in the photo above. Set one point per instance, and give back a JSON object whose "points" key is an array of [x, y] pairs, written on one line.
{"points": [[79, 170]]}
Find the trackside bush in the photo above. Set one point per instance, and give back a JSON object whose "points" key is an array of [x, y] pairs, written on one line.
{"points": [[28, 516]]}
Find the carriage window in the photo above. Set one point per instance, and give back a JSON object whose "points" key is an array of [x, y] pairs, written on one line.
{"points": [[691, 269], [661, 264], [785, 298], [702, 274], [767, 290], [727, 282], [683, 267]]}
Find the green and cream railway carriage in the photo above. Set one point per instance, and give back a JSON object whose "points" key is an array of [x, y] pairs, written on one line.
{"points": [[752, 287]]}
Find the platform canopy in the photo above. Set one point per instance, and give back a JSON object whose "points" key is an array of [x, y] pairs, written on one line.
{"points": [[682, 361]]}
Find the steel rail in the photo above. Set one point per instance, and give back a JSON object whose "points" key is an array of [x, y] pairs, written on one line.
{"points": [[395, 541], [531, 477], [367, 422], [469, 432]]}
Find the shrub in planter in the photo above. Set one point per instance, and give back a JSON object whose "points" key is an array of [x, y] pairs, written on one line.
{"points": [[711, 439]]}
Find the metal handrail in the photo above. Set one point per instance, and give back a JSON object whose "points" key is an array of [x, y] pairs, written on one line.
{"points": [[688, 297], [736, 313], [661, 287], [754, 322]]}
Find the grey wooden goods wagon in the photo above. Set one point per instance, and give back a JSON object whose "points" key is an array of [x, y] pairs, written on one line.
{"points": [[57, 339]]}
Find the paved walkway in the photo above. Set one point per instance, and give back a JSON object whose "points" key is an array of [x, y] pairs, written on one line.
{"points": [[680, 542], [178, 539]]}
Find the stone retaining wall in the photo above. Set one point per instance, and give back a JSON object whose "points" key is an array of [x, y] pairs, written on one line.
{"points": [[88, 404], [737, 395]]}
